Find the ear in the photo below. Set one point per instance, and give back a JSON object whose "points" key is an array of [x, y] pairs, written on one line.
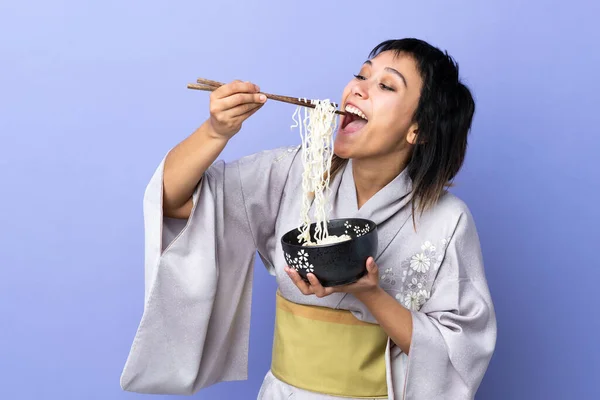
{"points": [[413, 131]]}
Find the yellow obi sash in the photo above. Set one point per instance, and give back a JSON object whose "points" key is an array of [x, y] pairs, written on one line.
{"points": [[328, 351]]}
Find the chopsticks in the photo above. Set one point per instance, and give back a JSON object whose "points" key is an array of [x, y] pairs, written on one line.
{"points": [[209, 85]]}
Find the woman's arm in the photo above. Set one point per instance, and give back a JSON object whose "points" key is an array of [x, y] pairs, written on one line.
{"points": [[393, 317], [230, 106], [185, 165]]}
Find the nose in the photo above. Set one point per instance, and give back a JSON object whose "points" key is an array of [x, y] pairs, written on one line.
{"points": [[360, 90]]}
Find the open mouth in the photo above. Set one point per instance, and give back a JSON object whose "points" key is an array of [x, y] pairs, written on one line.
{"points": [[354, 119]]}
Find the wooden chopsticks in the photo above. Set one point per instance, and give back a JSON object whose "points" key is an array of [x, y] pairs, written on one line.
{"points": [[209, 85]]}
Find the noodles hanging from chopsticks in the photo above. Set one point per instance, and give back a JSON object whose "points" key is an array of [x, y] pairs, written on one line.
{"points": [[316, 132]]}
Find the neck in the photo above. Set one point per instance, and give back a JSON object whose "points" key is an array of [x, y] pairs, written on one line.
{"points": [[372, 175]]}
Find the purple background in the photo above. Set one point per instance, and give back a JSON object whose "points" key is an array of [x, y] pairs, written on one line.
{"points": [[92, 95]]}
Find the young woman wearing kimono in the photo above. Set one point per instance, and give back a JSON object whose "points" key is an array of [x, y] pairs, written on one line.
{"points": [[419, 325]]}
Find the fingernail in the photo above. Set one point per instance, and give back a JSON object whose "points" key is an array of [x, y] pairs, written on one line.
{"points": [[262, 97]]}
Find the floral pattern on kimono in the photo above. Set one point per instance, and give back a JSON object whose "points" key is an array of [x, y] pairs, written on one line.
{"points": [[412, 281]]}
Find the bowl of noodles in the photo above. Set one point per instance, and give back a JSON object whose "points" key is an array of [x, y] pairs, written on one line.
{"points": [[334, 250], [336, 254]]}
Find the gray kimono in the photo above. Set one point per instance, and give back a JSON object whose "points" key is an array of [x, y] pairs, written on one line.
{"points": [[194, 331]]}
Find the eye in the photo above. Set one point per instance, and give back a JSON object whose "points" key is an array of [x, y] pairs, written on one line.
{"points": [[386, 87], [360, 77]]}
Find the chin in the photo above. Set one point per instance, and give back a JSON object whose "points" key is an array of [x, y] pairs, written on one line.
{"points": [[345, 156], [342, 150]]}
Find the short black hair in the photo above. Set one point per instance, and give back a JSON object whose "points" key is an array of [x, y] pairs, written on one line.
{"points": [[444, 116]]}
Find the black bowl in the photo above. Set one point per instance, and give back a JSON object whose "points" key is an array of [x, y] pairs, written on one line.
{"points": [[336, 263]]}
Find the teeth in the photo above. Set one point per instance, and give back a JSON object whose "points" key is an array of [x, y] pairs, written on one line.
{"points": [[356, 111]]}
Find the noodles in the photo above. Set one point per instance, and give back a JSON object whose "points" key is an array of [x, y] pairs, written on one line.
{"points": [[316, 131]]}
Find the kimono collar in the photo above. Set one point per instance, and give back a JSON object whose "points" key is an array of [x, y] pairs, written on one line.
{"points": [[386, 203]]}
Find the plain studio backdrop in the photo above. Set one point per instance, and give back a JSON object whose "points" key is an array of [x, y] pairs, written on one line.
{"points": [[93, 94]]}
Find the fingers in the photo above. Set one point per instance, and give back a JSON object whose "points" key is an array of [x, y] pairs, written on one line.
{"points": [[298, 281], [236, 86], [251, 112], [317, 288], [371, 266], [372, 270], [235, 105], [231, 104], [243, 111], [238, 99], [313, 287]]}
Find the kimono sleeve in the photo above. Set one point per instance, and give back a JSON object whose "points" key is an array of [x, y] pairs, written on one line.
{"points": [[194, 330], [454, 332]]}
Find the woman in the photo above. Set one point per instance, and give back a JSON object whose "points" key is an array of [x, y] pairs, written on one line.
{"points": [[419, 325]]}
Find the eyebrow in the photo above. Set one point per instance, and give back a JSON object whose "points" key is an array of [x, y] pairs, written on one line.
{"points": [[392, 70]]}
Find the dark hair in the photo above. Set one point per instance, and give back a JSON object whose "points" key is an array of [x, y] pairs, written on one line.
{"points": [[443, 115]]}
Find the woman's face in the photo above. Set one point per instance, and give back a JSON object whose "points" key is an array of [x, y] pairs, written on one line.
{"points": [[385, 94]]}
